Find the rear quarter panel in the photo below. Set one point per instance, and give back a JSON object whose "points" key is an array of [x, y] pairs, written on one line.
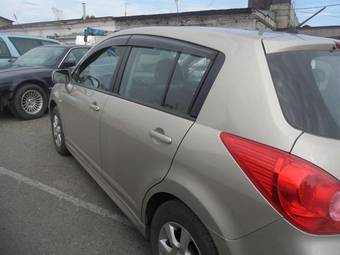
{"points": [[243, 102]]}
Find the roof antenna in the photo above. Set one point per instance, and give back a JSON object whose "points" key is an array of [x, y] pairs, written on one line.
{"points": [[295, 29]]}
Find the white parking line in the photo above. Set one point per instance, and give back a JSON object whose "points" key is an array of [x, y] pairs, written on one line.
{"points": [[61, 195]]}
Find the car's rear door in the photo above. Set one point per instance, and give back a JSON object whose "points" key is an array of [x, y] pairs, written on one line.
{"points": [[145, 120], [83, 104]]}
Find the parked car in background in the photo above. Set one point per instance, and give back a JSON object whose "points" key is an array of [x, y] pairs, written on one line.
{"points": [[25, 85], [212, 141], [13, 46]]}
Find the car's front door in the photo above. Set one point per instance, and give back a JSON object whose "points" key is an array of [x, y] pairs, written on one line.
{"points": [[84, 102], [147, 118]]}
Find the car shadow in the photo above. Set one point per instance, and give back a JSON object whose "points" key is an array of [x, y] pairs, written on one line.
{"points": [[6, 115]]}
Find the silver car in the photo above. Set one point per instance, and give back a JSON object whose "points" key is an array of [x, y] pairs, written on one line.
{"points": [[211, 141]]}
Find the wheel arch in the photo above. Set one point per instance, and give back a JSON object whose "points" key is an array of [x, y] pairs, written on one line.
{"points": [[37, 82], [52, 104], [171, 190]]}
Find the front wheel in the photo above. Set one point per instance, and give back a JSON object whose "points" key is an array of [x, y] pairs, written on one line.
{"points": [[29, 102], [58, 133], [175, 229]]}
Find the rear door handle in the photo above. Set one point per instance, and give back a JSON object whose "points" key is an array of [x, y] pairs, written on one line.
{"points": [[94, 107], [159, 135]]}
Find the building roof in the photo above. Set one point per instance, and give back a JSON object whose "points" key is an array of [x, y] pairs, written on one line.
{"points": [[5, 19], [135, 17]]}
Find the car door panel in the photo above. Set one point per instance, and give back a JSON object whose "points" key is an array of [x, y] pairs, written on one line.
{"points": [[132, 156], [85, 99], [83, 133]]}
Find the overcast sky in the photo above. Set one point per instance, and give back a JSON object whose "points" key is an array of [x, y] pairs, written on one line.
{"points": [[41, 10]]}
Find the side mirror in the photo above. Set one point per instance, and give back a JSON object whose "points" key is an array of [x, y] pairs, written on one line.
{"points": [[12, 59], [68, 64], [61, 76]]}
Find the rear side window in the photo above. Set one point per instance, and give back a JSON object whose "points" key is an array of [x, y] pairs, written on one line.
{"points": [[24, 44], [147, 75], [187, 78], [308, 88], [4, 52]]}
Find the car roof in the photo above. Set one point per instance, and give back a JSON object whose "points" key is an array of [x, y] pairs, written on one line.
{"points": [[213, 36], [67, 46], [29, 37]]}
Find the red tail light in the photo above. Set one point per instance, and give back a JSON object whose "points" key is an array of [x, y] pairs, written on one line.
{"points": [[304, 194], [337, 44]]}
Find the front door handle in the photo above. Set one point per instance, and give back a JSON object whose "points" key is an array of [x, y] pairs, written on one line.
{"points": [[94, 107], [159, 135]]}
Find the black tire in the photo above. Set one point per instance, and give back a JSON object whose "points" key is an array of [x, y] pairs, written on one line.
{"points": [[174, 211], [61, 147], [16, 106]]}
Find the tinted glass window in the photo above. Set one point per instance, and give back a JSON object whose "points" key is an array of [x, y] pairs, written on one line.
{"points": [[99, 72], [147, 75], [4, 52], [41, 56], [308, 88], [43, 42], [185, 82], [75, 55], [24, 44]]}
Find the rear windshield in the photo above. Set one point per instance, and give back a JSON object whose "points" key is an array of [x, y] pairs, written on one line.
{"points": [[308, 88]]}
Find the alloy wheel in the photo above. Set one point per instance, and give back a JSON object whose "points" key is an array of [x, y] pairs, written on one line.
{"points": [[174, 239], [57, 133], [32, 101]]}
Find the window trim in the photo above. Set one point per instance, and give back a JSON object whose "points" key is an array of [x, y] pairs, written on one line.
{"points": [[8, 51]]}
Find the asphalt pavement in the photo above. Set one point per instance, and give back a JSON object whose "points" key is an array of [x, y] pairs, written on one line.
{"points": [[49, 205]]}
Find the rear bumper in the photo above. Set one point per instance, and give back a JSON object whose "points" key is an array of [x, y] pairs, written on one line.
{"points": [[279, 238]]}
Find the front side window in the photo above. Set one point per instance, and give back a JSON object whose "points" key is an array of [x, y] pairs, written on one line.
{"points": [[4, 52], [189, 73], [24, 44], [308, 88], [98, 73], [147, 74], [74, 56]]}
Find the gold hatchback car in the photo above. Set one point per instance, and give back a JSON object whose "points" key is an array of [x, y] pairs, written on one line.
{"points": [[212, 141]]}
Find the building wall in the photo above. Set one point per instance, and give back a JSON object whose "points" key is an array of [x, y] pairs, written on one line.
{"points": [[329, 31], [4, 22], [68, 30]]}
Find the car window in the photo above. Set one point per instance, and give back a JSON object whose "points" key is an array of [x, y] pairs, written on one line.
{"points": [[75, 55], [308, 88], [147, 74], [4, 52], [189, 73], [99, 72], [41, 56], [43, 42], [24, 44]]}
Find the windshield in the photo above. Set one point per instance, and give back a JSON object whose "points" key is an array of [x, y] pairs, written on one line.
{"points": [[41, 56], [308, 88]]}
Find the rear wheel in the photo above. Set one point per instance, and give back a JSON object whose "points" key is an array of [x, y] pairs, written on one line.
{"points": [[176, 230], [29, 102]]}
